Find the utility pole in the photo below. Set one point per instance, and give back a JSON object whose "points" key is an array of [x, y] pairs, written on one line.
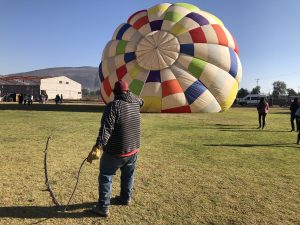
{"points": [[257, 81], [298, 89]]}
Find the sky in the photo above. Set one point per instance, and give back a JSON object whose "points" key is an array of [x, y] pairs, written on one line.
{"points": [[39, 34]]}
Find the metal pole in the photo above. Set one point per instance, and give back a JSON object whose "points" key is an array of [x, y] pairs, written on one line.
{"points": [[257, 81]]}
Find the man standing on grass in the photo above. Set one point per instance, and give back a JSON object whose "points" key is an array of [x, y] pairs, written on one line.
{"points": [[294, 106], [297, 114], [119, 137], [262, 109]]}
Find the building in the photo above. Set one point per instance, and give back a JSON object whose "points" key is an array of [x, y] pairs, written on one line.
{"points": [[61, 85], [31, 85]]}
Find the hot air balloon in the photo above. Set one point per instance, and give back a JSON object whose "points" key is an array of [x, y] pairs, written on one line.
{"points": [[178, 58]]}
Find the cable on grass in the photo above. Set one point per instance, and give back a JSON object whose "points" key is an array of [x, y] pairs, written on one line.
{"points": [[77, 181], [47, 182]]}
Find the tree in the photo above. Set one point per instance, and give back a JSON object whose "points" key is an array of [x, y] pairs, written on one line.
{"points": [[256, 90], [85, 92], [291, 92], [94, 93], [279, 88], [242, 93]]}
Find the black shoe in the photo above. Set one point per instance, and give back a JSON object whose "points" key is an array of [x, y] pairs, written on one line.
{"points": [[121, 201], [99, 211], [292, 130]]}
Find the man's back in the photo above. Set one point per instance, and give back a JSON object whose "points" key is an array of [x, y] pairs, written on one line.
{"points": [[122, 129], [127, 130], [294, 106]]}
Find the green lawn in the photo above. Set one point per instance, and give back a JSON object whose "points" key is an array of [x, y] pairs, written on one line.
{"points": [[192, 168]]}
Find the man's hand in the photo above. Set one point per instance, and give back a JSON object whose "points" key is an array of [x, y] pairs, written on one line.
{"points": [[94, 154]]}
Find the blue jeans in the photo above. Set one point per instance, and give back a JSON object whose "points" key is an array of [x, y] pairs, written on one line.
{"points": [[109, 164]]}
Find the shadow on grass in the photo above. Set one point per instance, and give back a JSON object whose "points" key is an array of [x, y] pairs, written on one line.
{"points": [[230, 125], [239, 128], [235, 129], [47, 212], [34, 212], [253, 145], [253, 129], [53, 107], [287, 112]]}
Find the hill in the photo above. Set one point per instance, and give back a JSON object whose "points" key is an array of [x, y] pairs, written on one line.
{"points": [[87, 76]]}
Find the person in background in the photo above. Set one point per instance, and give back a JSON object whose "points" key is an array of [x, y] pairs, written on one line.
{"points": [[46, 97], [61, 98], [30, 101], [21, 99], [119, 137], [262, 109], [43, 97], [57, 99], [294, 106], [297, 114]]}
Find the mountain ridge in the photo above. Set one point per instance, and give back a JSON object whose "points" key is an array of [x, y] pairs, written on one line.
{"points": [[87, 76]]}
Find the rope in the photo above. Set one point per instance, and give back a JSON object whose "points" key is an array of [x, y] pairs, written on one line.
{"points": [[47, 182], [78, 174]]}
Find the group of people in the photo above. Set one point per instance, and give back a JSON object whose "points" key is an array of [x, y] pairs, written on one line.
{"points": [[25, 99], [43, 98], [263, 109]]}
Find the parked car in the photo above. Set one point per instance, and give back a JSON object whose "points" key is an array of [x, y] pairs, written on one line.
{"points": [[251, 99], [11, 97]]}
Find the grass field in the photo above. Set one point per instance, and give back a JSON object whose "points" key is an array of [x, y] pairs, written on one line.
{"points": [[192, 168]]}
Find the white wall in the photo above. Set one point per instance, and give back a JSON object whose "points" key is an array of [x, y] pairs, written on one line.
{"points": [[70, 89]]}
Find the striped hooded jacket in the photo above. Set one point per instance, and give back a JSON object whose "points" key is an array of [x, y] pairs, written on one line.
{"points": [[120, 129]]}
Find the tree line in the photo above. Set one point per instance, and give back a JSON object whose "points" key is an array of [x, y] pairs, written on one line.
{"points": [[279, 88]]}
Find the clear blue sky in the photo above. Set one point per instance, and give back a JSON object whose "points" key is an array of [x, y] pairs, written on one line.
{"points": [[38, 34]]}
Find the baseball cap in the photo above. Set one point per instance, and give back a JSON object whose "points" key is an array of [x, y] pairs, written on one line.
{"points": [[120, 86]]}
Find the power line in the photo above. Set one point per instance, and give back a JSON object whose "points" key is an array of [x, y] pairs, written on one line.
{"points": [[281, 75]]}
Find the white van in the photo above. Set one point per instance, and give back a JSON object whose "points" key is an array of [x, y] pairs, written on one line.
{"points": [[251, 99]]}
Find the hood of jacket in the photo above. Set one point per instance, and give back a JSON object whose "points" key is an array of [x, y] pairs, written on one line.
{"points": [[127, 97]]}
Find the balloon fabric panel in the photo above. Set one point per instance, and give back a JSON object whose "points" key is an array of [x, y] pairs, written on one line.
{"points": [[178, 58]]}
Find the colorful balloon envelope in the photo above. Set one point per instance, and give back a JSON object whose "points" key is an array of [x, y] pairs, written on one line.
{"points": [[176, 57]]}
